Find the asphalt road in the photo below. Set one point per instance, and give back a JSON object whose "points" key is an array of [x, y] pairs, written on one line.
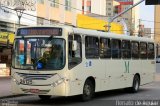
{"points": [[147, 93], [158, 67]]}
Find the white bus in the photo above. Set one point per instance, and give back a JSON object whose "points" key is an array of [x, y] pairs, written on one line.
{"points": [[67, 61]]}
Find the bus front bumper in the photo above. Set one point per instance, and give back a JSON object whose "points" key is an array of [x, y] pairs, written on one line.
{"points": [[57, 88]]}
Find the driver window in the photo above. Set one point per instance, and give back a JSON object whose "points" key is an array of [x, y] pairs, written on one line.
{"points": [[74, 57]]}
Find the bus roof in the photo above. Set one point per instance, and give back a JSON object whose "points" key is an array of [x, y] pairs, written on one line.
{"points": [[110, 35], [95, 33]]}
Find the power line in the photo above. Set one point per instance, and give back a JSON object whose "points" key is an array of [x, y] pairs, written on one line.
{"points": [[149, 21]]}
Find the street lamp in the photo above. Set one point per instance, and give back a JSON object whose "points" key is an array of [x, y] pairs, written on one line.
{"points": [[19, 10]]}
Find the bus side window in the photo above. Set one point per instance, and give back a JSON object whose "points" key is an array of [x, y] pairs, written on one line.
{"points": [[105, 48], [74, 57], [151, 53], [143, 50], [135, 50], [92, 47], [116, 48], [126, 49]]}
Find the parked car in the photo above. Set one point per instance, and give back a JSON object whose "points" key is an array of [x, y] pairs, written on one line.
{"points": [[158, 59]]}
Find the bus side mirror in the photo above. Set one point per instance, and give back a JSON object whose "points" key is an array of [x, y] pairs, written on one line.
{"points": [[74, 45]]}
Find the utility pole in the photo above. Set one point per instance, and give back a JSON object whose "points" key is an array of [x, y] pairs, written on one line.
{"points": [[110, 21], [140, 30]]}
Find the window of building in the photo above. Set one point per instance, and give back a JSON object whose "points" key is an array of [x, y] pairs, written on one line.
{"points": [[92, 47], [74, 57], [68, 5], [109, 14], [109, 9], [151, 53], [54, 3], [125, 8], [88, 6], [135, 50], [40, 1], [143, 50], [126, 19], [116, 48], [105, 48], [109, 4], [88, 9], [126, 49], [52, 22]]}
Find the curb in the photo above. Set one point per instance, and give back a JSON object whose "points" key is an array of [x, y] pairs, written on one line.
{"points": [[11, 96]]}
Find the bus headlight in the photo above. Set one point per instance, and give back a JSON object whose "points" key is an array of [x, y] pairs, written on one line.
{"points": [[58, 82], [15, 81]]}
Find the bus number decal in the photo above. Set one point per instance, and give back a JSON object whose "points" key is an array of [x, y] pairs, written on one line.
{"points": [[25, 82], [88, 64]]}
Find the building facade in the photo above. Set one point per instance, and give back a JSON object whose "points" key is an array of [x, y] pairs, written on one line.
{"points": [[157, 28], [111, 8], [67, 10], [58, 11], [131, 17], [157, 24]]}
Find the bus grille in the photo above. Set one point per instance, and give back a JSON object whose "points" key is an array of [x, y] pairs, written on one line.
{"points": [[35, 91], [35, 76]]}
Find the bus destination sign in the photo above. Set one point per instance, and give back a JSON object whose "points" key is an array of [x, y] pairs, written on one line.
{"points": [[39, 31]]}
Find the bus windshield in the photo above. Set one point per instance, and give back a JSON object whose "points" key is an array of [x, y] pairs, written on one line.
{"points": [[39, 53]]}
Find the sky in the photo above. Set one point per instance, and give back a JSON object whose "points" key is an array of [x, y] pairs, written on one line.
{"points": [[147, 13]]}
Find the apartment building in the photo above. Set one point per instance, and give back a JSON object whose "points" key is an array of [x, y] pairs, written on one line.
{"points": [[111, 8]]}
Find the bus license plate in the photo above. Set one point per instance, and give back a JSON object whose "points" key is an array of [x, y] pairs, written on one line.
{"points": [[34, 90]]}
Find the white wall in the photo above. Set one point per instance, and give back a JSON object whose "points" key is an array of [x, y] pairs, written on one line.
{"points": [[98, 7]]}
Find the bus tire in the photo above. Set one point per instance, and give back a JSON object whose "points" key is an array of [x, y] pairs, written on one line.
{"points": [[44, 97], [88, 91], [136, 84]]}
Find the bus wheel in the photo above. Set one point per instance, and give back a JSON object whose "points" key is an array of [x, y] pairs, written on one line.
{"points": [[136, 84], [44, 97], [88, 90]]}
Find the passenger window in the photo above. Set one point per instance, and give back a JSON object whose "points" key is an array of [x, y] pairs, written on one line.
{"points": [[91, 47], [116, 48], [143, 50], [135, 50], [151, 53], [126, 49], [74, 57], [105, 48]]}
